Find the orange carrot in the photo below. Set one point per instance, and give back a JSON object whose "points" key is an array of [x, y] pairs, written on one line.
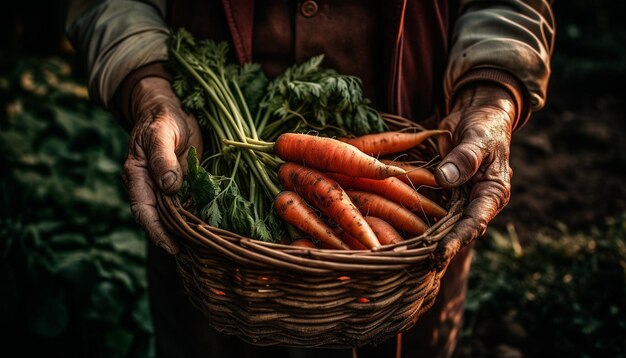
{"points": [[328, 197], [348, 240], [303, 243], [393, 213], [415, 175], [385, 233], [351, 241], [390, 142], [295, 211], [395, 190], [331, 155]]}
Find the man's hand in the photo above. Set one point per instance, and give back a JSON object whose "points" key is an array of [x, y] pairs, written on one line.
{"points": [[159, 141], [481, 122]]}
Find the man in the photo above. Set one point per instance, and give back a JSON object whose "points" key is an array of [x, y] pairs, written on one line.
{"points": [[477, 68]]}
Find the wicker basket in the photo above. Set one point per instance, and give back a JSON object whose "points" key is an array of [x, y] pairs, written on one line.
{"points": [[269, 293]]}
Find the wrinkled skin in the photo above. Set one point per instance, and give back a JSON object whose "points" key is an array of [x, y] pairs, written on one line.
{"points": [[159, 141], [481, 121]]}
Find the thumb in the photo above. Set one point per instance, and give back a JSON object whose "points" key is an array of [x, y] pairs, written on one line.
{"points": [[461, 163]]}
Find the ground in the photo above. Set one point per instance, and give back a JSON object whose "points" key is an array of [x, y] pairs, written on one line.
{"points": [[568, 163]]}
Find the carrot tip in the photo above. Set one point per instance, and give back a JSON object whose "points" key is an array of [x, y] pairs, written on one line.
{"points": [[393, 170]]}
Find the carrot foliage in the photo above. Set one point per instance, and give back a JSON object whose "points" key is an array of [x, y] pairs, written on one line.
{"points": [[220, 203], [308, 96], [231, 187]]}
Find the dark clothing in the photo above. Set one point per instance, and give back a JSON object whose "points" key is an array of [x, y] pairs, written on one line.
{"points": [[401, 66], [400, 76], [298, 31]]}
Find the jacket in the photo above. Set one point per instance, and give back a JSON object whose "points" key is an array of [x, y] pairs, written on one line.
{"points": [[434, 47]]}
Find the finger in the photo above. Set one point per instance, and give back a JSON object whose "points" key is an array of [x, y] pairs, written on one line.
{"points": [[461, 163], [143, 204], [486, 201], [159, 142], [453, 242]]}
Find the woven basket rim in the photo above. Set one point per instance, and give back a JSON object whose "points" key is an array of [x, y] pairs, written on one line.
{"points": [[401, 279], [396, 256]]}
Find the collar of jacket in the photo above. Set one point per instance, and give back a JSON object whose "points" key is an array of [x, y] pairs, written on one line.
{"points": [[240, 18]]}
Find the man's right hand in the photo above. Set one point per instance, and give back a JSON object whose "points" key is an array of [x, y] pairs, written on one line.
{"points": [[159, 141]]}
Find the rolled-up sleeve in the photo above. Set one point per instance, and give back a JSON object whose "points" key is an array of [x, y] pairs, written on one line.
{"points": [[516, 37], [113, 38]]}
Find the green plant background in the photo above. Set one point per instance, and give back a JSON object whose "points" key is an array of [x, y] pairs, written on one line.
{"points": [[72, 275], [73, 279]]}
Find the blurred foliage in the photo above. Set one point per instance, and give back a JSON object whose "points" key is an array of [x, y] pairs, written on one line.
{"points": [[73, 278], [555, 297], [590, 43]]}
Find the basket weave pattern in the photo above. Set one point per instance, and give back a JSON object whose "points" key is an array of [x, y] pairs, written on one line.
{"points": [[268, 293]]}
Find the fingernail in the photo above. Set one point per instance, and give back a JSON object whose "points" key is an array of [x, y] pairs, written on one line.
{"points": [[450, 172], [165, 247], [168, 179]]}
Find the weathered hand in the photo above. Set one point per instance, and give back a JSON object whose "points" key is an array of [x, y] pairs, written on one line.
{"points": [[481, 122], [159, 141]]}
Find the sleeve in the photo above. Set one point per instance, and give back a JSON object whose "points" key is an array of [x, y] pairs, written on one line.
{"points": [[114, 38], [507, 42]]}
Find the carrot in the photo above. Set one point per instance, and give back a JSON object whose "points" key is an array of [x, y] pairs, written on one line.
{"points": [[303, 243], [331, 155], [385, 233], [393, 213], [293, 209], [351, 241], [415, 175], [395, 190], [348, 240], [390, 142], [328, 197]]}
